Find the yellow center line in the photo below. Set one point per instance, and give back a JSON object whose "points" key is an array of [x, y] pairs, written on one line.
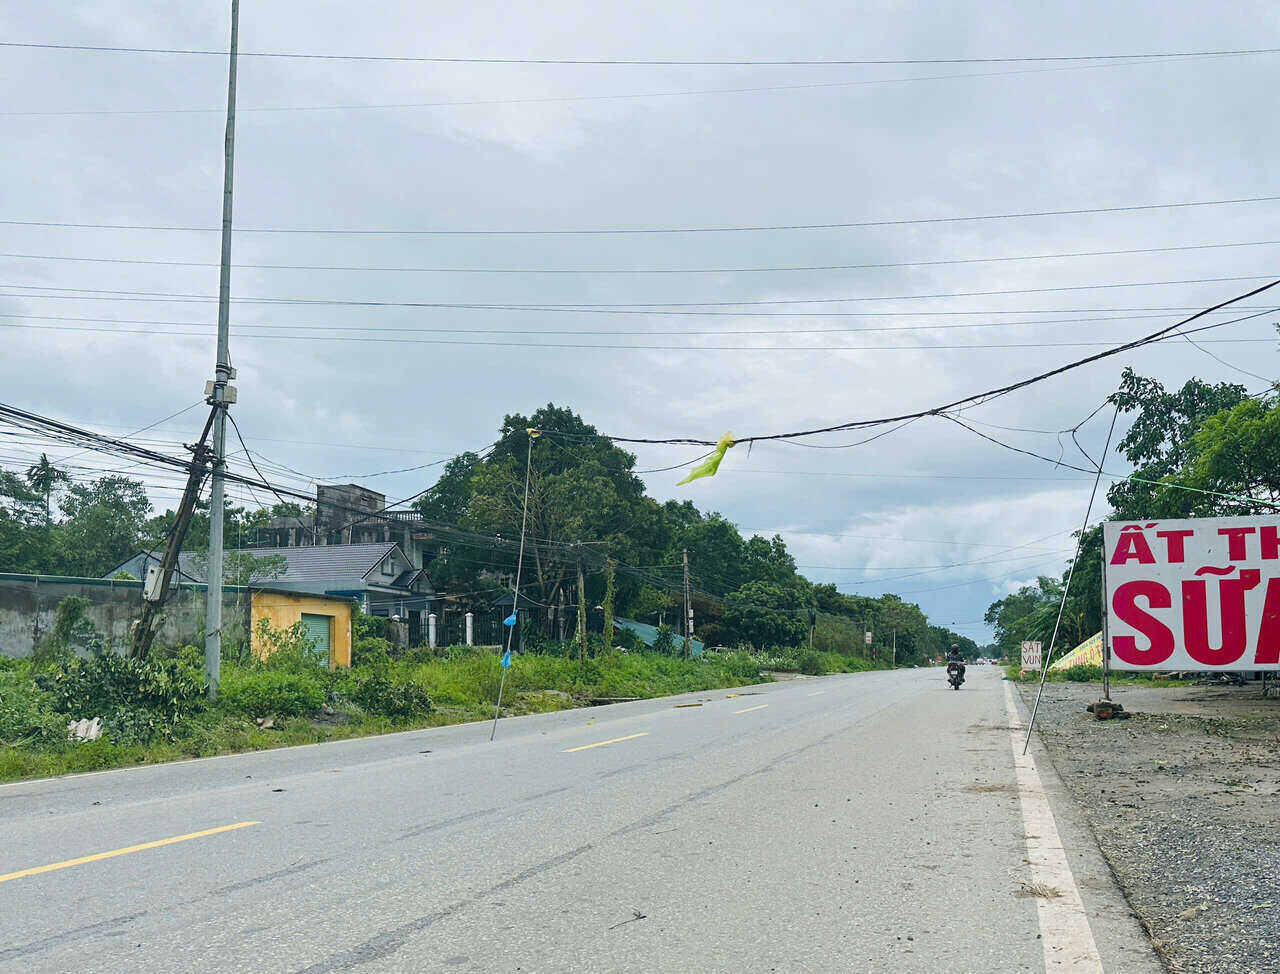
{"points": [[748, 710], [587, 747], [817, 692], [36, 870]]}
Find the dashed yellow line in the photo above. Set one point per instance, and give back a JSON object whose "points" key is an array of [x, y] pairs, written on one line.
{"points": [[817, 693], [36, 870], [587, 747], [748, 710]]}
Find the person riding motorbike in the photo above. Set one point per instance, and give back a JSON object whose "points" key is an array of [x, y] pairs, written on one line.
{"points": [[956, 659]]}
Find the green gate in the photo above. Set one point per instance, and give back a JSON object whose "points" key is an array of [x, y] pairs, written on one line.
{"points": [[319, 629]]}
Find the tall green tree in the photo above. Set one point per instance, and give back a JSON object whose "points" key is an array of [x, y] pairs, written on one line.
{"points": [[1159, 442], [45, 478], [25, 541], [103, 526], [763, 613]]}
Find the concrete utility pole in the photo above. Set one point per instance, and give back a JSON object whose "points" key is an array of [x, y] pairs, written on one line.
{"points": [[582, 609], [219, 394], [894, 660], [688, 609]]}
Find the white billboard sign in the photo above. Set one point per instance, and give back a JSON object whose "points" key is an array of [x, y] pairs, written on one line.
{"points": [[1031, 655], [1199, 594]]}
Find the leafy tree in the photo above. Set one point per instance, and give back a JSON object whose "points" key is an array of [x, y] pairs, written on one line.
{"points": [[767, 614], [1211, 438], [768, 560], [1159, 443], [1236, 452], [448, 498], [44, 479], [582, 489], [944, 639], [103, 526], [1032, 611], [25, 542]]}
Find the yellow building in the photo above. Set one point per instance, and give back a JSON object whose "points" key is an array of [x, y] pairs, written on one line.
{"points": [[325, 618]]}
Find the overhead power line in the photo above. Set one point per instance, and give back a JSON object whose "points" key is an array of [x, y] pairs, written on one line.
{"points": [[660, 62], [617, 332], [943, 262], [657, 307], [597, 231], [369, 340], [982, 397], [68, 433], [618, 96]]}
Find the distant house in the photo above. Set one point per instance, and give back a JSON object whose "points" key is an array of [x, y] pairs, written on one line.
{"points": [[379, 575], [348, 514]]}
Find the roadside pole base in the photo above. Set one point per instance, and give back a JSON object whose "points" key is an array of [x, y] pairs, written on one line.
{"points": [[1106, 710]]}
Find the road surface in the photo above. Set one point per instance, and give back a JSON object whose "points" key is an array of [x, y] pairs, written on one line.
{"points": [[851, 823]]}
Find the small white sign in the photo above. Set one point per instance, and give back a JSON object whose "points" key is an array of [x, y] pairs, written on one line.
{"points": [[1031, 655], [868, 639]]}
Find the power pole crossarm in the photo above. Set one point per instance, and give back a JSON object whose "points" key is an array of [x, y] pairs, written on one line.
{"points": [[219, 394]]}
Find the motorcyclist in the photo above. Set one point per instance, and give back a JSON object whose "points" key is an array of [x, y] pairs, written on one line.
{"points": [[954, 656]]}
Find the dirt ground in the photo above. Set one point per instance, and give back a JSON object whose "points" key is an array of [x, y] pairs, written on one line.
{"points": [[1184, 798]]}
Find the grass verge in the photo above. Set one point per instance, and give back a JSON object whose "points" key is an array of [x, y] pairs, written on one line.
{"points": [[300, 703]]}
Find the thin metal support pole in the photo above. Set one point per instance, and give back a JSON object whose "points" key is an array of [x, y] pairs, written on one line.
{"points": [[1066, 588], [213, 587], [1106, 632], [501, 683], [515, 592]]}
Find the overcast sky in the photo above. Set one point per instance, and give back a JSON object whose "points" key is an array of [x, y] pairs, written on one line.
{"points": [[829, 144]]}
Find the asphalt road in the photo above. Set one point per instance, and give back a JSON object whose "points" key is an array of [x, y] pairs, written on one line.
{"points": [[852, 823]]}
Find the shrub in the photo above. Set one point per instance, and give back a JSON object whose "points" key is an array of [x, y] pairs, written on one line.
{"points": [[741, 666], [421, 654], [27, 715], [137, 699], [363, 625], [102, 684], [810, 664], [263, 691], [287, 649], [73, 633], [378, 694], [665, 641], [372, 651], [628, 640]]}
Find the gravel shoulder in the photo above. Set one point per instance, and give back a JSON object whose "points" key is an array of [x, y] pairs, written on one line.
{"points": [[1184, 799]]}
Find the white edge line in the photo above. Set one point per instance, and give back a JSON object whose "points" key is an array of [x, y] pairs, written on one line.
{"points": [[1064, 925]]}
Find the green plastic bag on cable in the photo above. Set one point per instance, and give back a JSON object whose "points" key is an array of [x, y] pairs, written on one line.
{"points": [[709, 466]]}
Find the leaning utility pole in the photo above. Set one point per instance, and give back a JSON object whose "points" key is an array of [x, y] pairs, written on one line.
{"points": [[155, 589], [688, 609], [221, 395]]}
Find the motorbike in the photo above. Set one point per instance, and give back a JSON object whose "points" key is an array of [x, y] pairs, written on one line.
{"points": [[955, 674]]}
